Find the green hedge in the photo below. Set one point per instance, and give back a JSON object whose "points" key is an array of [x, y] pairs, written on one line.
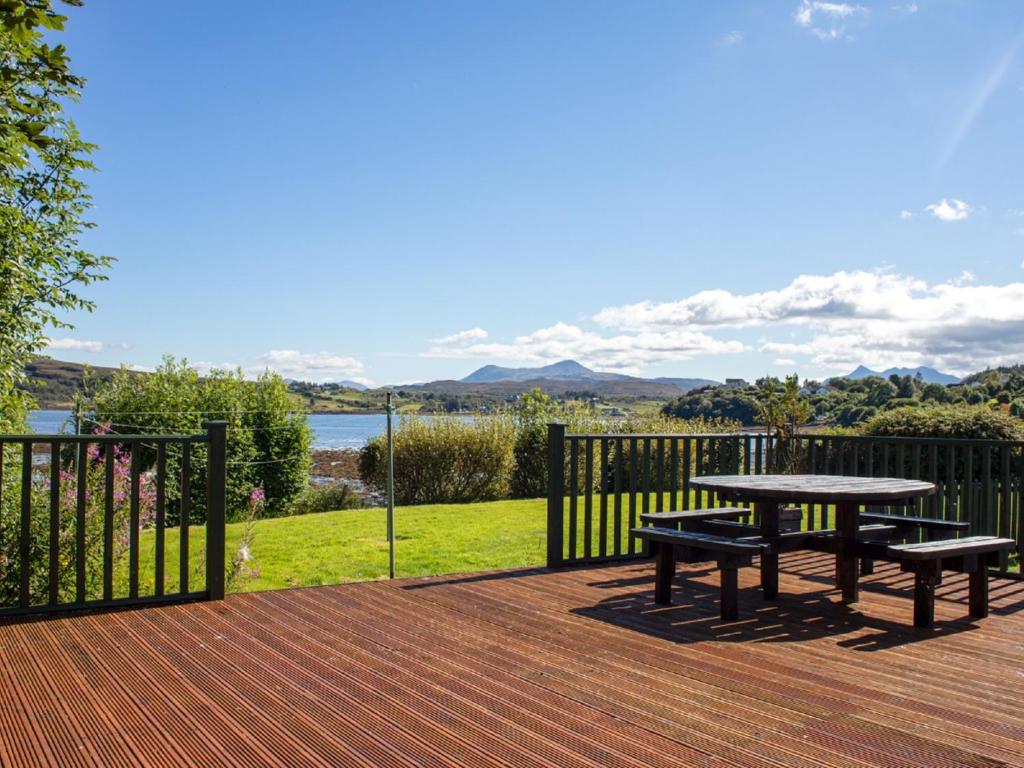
{"points": [[958, 421]]}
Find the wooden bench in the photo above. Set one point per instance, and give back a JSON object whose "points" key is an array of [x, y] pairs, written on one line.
{"points": [[679, 520], [928, 559], [729, 553], [933, 527]]}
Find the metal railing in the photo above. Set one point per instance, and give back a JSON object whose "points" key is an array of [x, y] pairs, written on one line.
{"points": [[75, 514], [599, 484]]}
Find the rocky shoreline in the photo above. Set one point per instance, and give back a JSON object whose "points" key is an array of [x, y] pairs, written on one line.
{"points": [[336, 466]]}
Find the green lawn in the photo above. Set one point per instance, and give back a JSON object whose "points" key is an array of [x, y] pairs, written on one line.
{"points": [[351, 545]]}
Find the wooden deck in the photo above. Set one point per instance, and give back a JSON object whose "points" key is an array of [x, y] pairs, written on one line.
{"points": [[526, 668]]}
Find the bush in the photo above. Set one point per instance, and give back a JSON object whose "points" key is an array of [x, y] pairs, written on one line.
{"points": [[966, 421], [268, 445], [444, 460], [325, 498]]}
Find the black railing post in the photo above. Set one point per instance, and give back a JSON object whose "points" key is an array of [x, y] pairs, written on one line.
{"points": [[216, 500], [556, 492]]}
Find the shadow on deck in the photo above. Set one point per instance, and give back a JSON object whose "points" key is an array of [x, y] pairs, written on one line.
{"points": [[525, 668]]}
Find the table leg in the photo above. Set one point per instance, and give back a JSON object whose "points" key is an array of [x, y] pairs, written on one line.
{"points": [[846, 561], [768, 513]]}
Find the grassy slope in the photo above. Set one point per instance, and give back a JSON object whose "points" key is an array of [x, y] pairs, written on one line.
{"points": [[342, 546]]}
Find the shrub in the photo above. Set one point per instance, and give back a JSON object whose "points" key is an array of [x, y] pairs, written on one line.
{"points": [[268, 445], [444, 459], [325, 498], [966, 421]]}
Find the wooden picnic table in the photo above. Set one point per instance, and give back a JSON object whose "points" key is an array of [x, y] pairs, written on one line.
{"points": [[767, 493]]}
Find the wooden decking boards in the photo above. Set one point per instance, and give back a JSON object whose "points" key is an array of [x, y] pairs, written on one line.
{"points": [[526, 668]]}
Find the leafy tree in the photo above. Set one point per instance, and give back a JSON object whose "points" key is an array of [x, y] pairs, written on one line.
{"points": [[529, 471], [43, 199], [783, 411], [268, 444]]}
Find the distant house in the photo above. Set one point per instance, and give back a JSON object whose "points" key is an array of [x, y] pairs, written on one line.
{"points": [[735, 383]]}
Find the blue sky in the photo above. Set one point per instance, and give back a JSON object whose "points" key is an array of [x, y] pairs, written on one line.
{"points": [[406, 191]]}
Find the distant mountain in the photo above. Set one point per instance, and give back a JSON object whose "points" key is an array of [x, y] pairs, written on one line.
{"points": [[566, 369], [929, 375], [352, 385], [686, 384], [563, 373]]}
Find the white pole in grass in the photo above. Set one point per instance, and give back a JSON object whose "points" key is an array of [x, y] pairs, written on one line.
{"points": [[391, 494]]}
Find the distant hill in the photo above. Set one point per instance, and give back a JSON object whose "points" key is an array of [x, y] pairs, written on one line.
{"points": [[610, 388], [1002, 374], [686, 384], [352, 385], [568, 375], [566, 369], [55, 382], [929, 375]]}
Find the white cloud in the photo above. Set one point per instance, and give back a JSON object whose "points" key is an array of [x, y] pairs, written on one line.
{"points": [[311, 366], [875, 318], [732, 37], [627, 352], [827, 20], [905, 214], [949, 210], [77, 345], [293, 364], [462, 337], [784, 361]]}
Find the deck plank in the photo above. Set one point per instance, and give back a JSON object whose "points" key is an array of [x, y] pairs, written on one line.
{"points": [[577, 667]]}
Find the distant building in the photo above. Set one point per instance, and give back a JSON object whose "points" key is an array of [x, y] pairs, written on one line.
{"points": [[735, 383]]}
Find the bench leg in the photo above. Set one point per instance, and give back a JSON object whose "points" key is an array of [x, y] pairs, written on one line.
{"points": [[729, 589], [867, 566], [979, 591], [664, 571], [924, 594], [846, 563]]}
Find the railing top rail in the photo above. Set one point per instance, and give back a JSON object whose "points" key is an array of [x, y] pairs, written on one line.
{"points": [[105, 438], [749, 435], [662, 435], [966, 441]]}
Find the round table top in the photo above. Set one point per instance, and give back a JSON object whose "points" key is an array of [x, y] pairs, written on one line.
{"points": [[814, 488]]}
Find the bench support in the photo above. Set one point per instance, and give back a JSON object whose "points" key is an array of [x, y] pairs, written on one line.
{"points": [[926, 577], [729, 588], [979, 590], [846, 560], [664, 570], [768, 516]]}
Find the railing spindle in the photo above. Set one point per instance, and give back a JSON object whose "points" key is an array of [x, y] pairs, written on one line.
{"points": [[617, 512], [186, 512], [25, 549], [133, 530], [687, 448], [108, 522], [574, 490], [588, 499], [54, 523], [633, 451], [158, 559], [602, 536], [81, 486]]}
